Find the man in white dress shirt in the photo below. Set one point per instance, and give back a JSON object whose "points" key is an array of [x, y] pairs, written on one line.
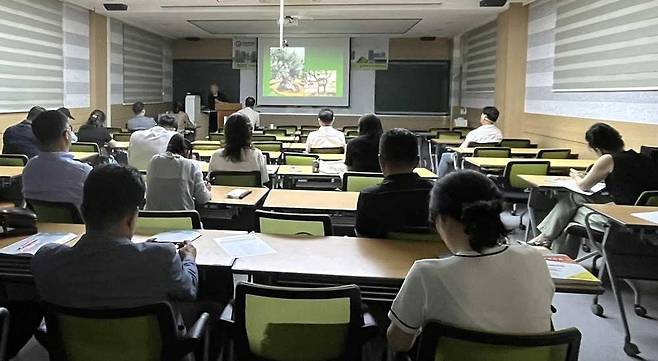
{"points": [[144, 144], [327, 136], [487, 132], [248, 110]]}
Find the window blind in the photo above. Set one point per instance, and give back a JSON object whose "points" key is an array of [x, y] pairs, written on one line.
{"points": [[479, 69], [31, 58], [606, 45], [143, 69]]}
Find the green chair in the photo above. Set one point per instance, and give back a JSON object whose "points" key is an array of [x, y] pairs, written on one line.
{"points": [[440, 342], [114, 130], [293, 224], [554, 154], [268, 146], [290, 158], [425, 234], [121, 137], [306, 132], [492, 152], [13, 160], [276, 132], [331, 150], [85, 147], [357, 181], [294, 324], [216, 137], [236, 179], [352, 133], [448, 135], [55, 212], [290, 129], [648, 199], [348, 128], [145, 333], [515, 143], [152, 222], [263, 138], [514, 189]]}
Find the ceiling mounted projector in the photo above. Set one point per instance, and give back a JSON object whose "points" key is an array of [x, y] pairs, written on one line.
{"points": [[115, 6], [492, 3]]}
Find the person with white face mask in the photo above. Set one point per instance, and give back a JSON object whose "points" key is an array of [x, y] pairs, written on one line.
{"points": [[54, 175]]}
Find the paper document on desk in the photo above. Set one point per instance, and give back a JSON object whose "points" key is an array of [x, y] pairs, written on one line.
{"points": [[571, 185], [244, 245], [332, 167], [564, 268], [647, 216], [30, 245]]}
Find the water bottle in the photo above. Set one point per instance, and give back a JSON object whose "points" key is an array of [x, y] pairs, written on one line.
{"points": [[316, 166]]}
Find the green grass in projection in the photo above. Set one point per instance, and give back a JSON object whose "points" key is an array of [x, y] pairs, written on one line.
{"points": [[304, 72]]}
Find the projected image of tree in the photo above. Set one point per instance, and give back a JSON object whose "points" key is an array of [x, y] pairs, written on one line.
{"points": [[291, 75]]}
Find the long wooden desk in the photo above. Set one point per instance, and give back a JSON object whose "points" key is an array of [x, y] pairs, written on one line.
{"points": [[85, 156], [545, 181], [312, 200], [563, 164], [10, 171], [219, 196], [272, 169], [307, 170], [121, 145], [447, 142], [623, 215], [523, 152]]}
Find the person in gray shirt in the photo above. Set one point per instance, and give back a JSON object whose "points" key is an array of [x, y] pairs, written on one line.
{"points": [[140, 121]]}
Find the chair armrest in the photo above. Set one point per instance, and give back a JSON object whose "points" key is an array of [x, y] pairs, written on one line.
{"points": [[197, 330], [369, 329], [226, 318]]}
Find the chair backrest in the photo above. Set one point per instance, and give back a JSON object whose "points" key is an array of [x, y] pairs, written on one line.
{"points": [[357, 181], [55, 212], [554, 154], [332, 150], [14, 160], [479, 145], [420, 234], [515, 143], [4, 331], [275, 132], [299, 158], [293, 224], [448, 135], [648, 198], [351, 133], [263, 138], [151, 222], [236, 179], [307, 131], [268, 146], [85, 147], [216, 137], [349, 128], [113, 130], [121, 137], [492, 152], [146, 333], [440, 342], [290, 129], [281, 323], [514, 169]]}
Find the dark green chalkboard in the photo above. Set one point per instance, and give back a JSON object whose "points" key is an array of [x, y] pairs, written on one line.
{"points": [[413, 87], [195, 76]]}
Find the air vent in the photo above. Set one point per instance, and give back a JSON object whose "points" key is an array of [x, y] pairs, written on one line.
{"points": [[115, 6], [492, 3], [428, 38]]}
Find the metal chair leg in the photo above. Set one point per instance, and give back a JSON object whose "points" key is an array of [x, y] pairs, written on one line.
{"points": [[596, 308], [637, 306]]}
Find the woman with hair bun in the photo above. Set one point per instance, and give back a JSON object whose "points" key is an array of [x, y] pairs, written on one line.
{"points": [[486, 284]]}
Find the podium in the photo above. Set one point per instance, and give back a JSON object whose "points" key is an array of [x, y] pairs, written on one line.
{"points": [[225, 110]]}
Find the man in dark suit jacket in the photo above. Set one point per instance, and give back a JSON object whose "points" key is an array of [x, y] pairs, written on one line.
{"points": [[19, 139], [400, 202]]}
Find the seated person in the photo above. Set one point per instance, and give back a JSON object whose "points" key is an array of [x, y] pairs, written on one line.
{"points": [[94, 131], [327, 136], [487, 132], [54, 175], [626, 175], [362, 153], [19, 138], [144, 144], [248, 110], [399, 203], [478, 287], [238, 154], [140, 121], [183, 121], [175, 182]]}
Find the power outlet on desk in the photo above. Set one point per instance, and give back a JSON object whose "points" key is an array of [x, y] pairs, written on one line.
{"points": [[462, 111]]}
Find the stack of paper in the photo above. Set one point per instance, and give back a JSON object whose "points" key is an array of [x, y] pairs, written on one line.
{"points": [[30, 245], [244, 245], [571, 185], [565, 269], [175, 236]]}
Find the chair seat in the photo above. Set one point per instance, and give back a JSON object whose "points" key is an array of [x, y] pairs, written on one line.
{"points": [[579, 230]]}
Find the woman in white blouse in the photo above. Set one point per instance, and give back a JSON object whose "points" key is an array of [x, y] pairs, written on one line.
{"points": [[238, 154], [486, 284], [174, 181]]}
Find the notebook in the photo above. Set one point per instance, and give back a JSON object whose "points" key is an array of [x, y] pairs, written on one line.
{"points": [[563, 268], [175, 236]]}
